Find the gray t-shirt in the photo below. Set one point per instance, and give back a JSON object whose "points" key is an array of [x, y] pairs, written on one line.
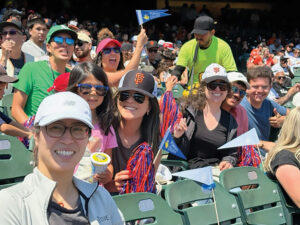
{"points": [[58, 215]]}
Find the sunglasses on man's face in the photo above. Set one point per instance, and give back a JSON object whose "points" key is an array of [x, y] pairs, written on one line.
{"points": [[86, 89], [281, 78], [60, 40], [138, 97], [236, 90], [80, 43], [152, 50], [10, 32], [107, 51], [213, 85]]}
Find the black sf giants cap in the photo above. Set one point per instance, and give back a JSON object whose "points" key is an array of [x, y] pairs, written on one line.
{"points": [[140, 81]]}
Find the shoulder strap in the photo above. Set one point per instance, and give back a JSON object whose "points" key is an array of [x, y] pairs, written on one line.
{"points": [[191, 74]]}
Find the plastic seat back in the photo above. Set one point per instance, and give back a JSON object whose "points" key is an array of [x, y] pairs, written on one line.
{"points": [[258, 196], [15, 161], [146, 207], [197, 205]]}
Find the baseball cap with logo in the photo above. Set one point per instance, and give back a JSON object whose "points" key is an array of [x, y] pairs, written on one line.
{"points": [[60, 29], [214, 72], [14, 23], [151, 44], [203, 24], [140, 81], [63, 105], [237, 76]]}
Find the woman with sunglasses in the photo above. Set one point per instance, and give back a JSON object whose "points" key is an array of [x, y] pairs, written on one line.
{"points": [[137, 128], [90, 82], [51, 194], [109, 57], [206, 126]]}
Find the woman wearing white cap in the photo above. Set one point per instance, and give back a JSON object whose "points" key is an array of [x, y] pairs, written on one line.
{"points": [[51, 195], [206, 126]]}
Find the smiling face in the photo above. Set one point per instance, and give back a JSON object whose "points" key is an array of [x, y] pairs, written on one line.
{"points": [[59, 155], [111, 60], [259, 90], [235, 97], [92, 98], [130, 109], [62, 51], [216, 96]]}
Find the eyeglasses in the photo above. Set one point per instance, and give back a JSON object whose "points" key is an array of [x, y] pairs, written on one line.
{"points": [[80, 43], [107, 51], [138, 97], [213, 85], [10, 32], [77, 131], [281, 77], [236, 90], [60, 40], [296, 52], [152, 50], [86, 89]]}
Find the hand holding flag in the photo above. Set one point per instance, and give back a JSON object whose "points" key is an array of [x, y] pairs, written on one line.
{"points": [[144, 16]]}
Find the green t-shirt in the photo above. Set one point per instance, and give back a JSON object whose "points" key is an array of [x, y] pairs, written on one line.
{"points": [[218, 52], [34, 80]]}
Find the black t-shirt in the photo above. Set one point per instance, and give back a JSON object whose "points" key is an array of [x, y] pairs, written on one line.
{"points": [[18, 64], [62, 216], [204, 142], [285, 157], [281, 90]]}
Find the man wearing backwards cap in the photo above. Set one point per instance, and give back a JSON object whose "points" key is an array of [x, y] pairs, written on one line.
{"points": [[50, 194], [211, 50], [36, 77]]}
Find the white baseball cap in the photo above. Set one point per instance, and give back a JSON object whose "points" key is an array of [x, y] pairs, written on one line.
{"points": [[63, 105], [237, 76], [214, 72]]}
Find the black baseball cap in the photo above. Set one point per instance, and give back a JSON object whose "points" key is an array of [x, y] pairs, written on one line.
{"points": [[14, 23], [152, 44], [140, 81], [203, 24]]}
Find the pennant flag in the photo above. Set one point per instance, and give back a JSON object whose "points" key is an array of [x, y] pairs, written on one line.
{"points": [[202, 175], [168, 144], [248, 138], [144, 16]]}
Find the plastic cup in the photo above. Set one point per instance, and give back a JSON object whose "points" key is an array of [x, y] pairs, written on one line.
{"points": [[99, 161]]}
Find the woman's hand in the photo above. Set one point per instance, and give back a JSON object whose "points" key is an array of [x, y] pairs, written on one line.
{"points": [[142, 39], [103, 177], [225, 165], [120, 178], [180, 128], [171, 82]]}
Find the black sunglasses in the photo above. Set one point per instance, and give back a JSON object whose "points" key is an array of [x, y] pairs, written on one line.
{"points": [[213, 85], [138, 97], [281, 77], [11, 32], [86, 89], [108, 50], [80, 43], [236, 90], [152, 50]]}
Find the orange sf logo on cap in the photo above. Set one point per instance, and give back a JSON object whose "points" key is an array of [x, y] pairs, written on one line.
{"points": [[216, 69], [139, 77]]}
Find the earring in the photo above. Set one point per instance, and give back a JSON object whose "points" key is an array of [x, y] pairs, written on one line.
{"points": [[148, 113]]}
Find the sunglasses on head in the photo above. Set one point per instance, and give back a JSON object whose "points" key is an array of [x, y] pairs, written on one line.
{"points": [[60, 40], [108, 50], [10, 32], [152, 50], [86, 89], [80, 43], [138, 97], [213, 85], [236, 90]]}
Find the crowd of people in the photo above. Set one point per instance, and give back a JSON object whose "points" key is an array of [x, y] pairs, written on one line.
{"points": [[77, 91]]}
